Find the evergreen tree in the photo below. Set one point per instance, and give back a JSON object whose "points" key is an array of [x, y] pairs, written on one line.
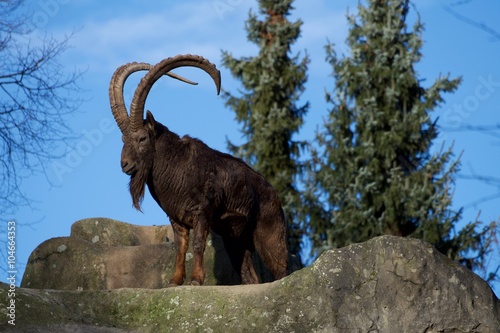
{"points": [[267, 107], [373, 171]]}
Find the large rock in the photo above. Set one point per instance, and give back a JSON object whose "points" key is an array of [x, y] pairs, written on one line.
{"points": [[103, 253], [388, 284]]}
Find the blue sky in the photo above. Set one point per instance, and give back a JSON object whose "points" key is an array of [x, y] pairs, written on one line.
{"points": [[88, 181]]}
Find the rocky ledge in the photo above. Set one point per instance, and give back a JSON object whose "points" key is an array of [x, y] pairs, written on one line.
{"points": [[387, 284]]}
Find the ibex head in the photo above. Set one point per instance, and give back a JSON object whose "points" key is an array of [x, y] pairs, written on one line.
{"points": [[138, 134]]}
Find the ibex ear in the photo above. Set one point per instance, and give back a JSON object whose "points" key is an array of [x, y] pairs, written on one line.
{"points": [[150, 122]]}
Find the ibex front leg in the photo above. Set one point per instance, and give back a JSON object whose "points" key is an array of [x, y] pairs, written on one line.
{"points": [[181, 239]]}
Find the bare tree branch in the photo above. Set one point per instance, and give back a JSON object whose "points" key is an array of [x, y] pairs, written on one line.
{"points": [[459, 3], [480, 25], [35, 97], [488, 180], [490, 130]]}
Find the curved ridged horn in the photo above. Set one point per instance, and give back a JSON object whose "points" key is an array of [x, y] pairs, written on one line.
{"points": [[116, 85], [166, 65]]}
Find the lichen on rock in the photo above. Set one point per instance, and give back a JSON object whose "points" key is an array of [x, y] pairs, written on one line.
{"points": [[387, 284]]}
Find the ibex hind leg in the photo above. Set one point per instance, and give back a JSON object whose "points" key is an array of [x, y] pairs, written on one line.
{"points": [[248, 275], [241, 259], [200, 233]]}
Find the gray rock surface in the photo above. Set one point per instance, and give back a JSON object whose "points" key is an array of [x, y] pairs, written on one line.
{"points": [[387, 284], [102, 253]]}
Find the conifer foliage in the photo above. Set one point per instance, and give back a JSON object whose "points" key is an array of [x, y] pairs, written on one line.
{"points": [[373, 171], [267, 106]]}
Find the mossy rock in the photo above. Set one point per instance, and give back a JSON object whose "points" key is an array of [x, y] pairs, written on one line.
{"points": [[388, 284]]}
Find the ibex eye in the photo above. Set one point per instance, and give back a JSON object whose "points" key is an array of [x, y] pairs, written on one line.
{"points": [[142, 138]]}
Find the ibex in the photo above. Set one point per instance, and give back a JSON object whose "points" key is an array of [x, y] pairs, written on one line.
{"points": [[198, 187]]}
